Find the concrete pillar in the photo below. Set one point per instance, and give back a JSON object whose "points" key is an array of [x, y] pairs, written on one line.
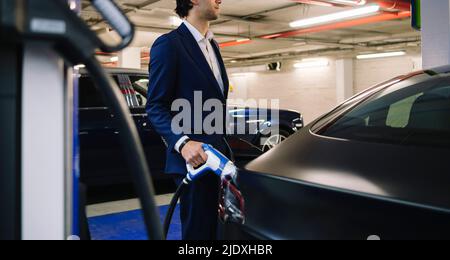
{"points": [[130, 58], [435, 33], [344, 79]]}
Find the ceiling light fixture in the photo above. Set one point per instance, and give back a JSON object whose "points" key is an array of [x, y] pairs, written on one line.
{"points": [[380, 55], [243, 40], [339, 16], [331, 3], [349, 2], [235, 43]]}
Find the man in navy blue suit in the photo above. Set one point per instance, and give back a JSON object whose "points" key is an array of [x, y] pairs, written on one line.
{"points": [[184, 63]]}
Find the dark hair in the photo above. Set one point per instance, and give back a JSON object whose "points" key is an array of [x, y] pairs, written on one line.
{"points": [[183, 7]]}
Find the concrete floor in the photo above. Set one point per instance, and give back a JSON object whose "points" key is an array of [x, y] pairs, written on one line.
{"points": [[114, 207]]}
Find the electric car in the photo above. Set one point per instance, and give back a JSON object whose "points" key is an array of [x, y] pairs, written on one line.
{"points": [[374, 167], [101, 156]]}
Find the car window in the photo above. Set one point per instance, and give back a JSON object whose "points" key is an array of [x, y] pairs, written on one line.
{"points": [[126, 86], [401, 114], [140, 85], [89, 96], [141, 99], [323, 121]]}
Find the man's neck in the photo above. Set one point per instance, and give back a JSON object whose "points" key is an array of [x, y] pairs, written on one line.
{"points": [[201, 25]]}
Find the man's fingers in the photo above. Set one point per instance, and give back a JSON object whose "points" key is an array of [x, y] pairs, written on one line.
{"points": [[204, 156], [194, 154], [199, 160], [196, 161]]}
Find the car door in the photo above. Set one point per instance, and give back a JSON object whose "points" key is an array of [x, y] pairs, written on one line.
{"points": [[100, 159], [243, 133], [154, 147]]}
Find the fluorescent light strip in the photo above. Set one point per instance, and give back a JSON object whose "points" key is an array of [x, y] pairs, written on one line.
{"points": [[380, 55], [350, 2], [243, 40], [356, 12]]}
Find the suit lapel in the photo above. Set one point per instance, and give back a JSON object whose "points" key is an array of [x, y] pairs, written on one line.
{"points": [[226, 83], [197, 55]]}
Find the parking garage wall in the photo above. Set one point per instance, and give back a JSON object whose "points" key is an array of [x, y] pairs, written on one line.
{"points": [[370, 72], [313, 91], [310, 91]]}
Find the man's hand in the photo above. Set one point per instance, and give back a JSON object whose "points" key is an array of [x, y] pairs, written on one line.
{"points": [[194, 154]]}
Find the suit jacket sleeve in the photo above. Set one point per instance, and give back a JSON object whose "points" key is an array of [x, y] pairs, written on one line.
{"points": [[161, 89]]}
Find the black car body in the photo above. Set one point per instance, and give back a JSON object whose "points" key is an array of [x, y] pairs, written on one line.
{"points": [[376, 166], [101, 155]]}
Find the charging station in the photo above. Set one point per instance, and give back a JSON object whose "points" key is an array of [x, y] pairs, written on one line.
{"points": [[10, 167], [37, 94], [40, 43]]}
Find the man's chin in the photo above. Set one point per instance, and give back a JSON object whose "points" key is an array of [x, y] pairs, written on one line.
{"points": [[214, 17]]}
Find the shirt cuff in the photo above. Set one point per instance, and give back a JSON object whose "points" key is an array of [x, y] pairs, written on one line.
{"points": [[180, 142]]}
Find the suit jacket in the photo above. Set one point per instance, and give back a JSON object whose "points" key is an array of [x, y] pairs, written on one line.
{"points": [[177, 69]]}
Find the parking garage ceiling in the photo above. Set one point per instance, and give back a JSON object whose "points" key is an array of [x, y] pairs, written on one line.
{"points": [[261, 22]]}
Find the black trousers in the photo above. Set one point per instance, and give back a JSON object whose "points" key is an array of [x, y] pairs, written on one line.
{"points": [[199, 208]]}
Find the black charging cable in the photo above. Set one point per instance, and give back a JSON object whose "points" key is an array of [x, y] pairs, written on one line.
{"points": [[130, 140]]}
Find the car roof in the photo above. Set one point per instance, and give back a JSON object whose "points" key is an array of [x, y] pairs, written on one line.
{"points": [[441, 70], [119, 71]]}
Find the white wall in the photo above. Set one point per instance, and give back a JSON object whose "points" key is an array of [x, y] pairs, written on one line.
{"points": [[313, 91], [371, 72], [435, 33], [130, 58]]}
